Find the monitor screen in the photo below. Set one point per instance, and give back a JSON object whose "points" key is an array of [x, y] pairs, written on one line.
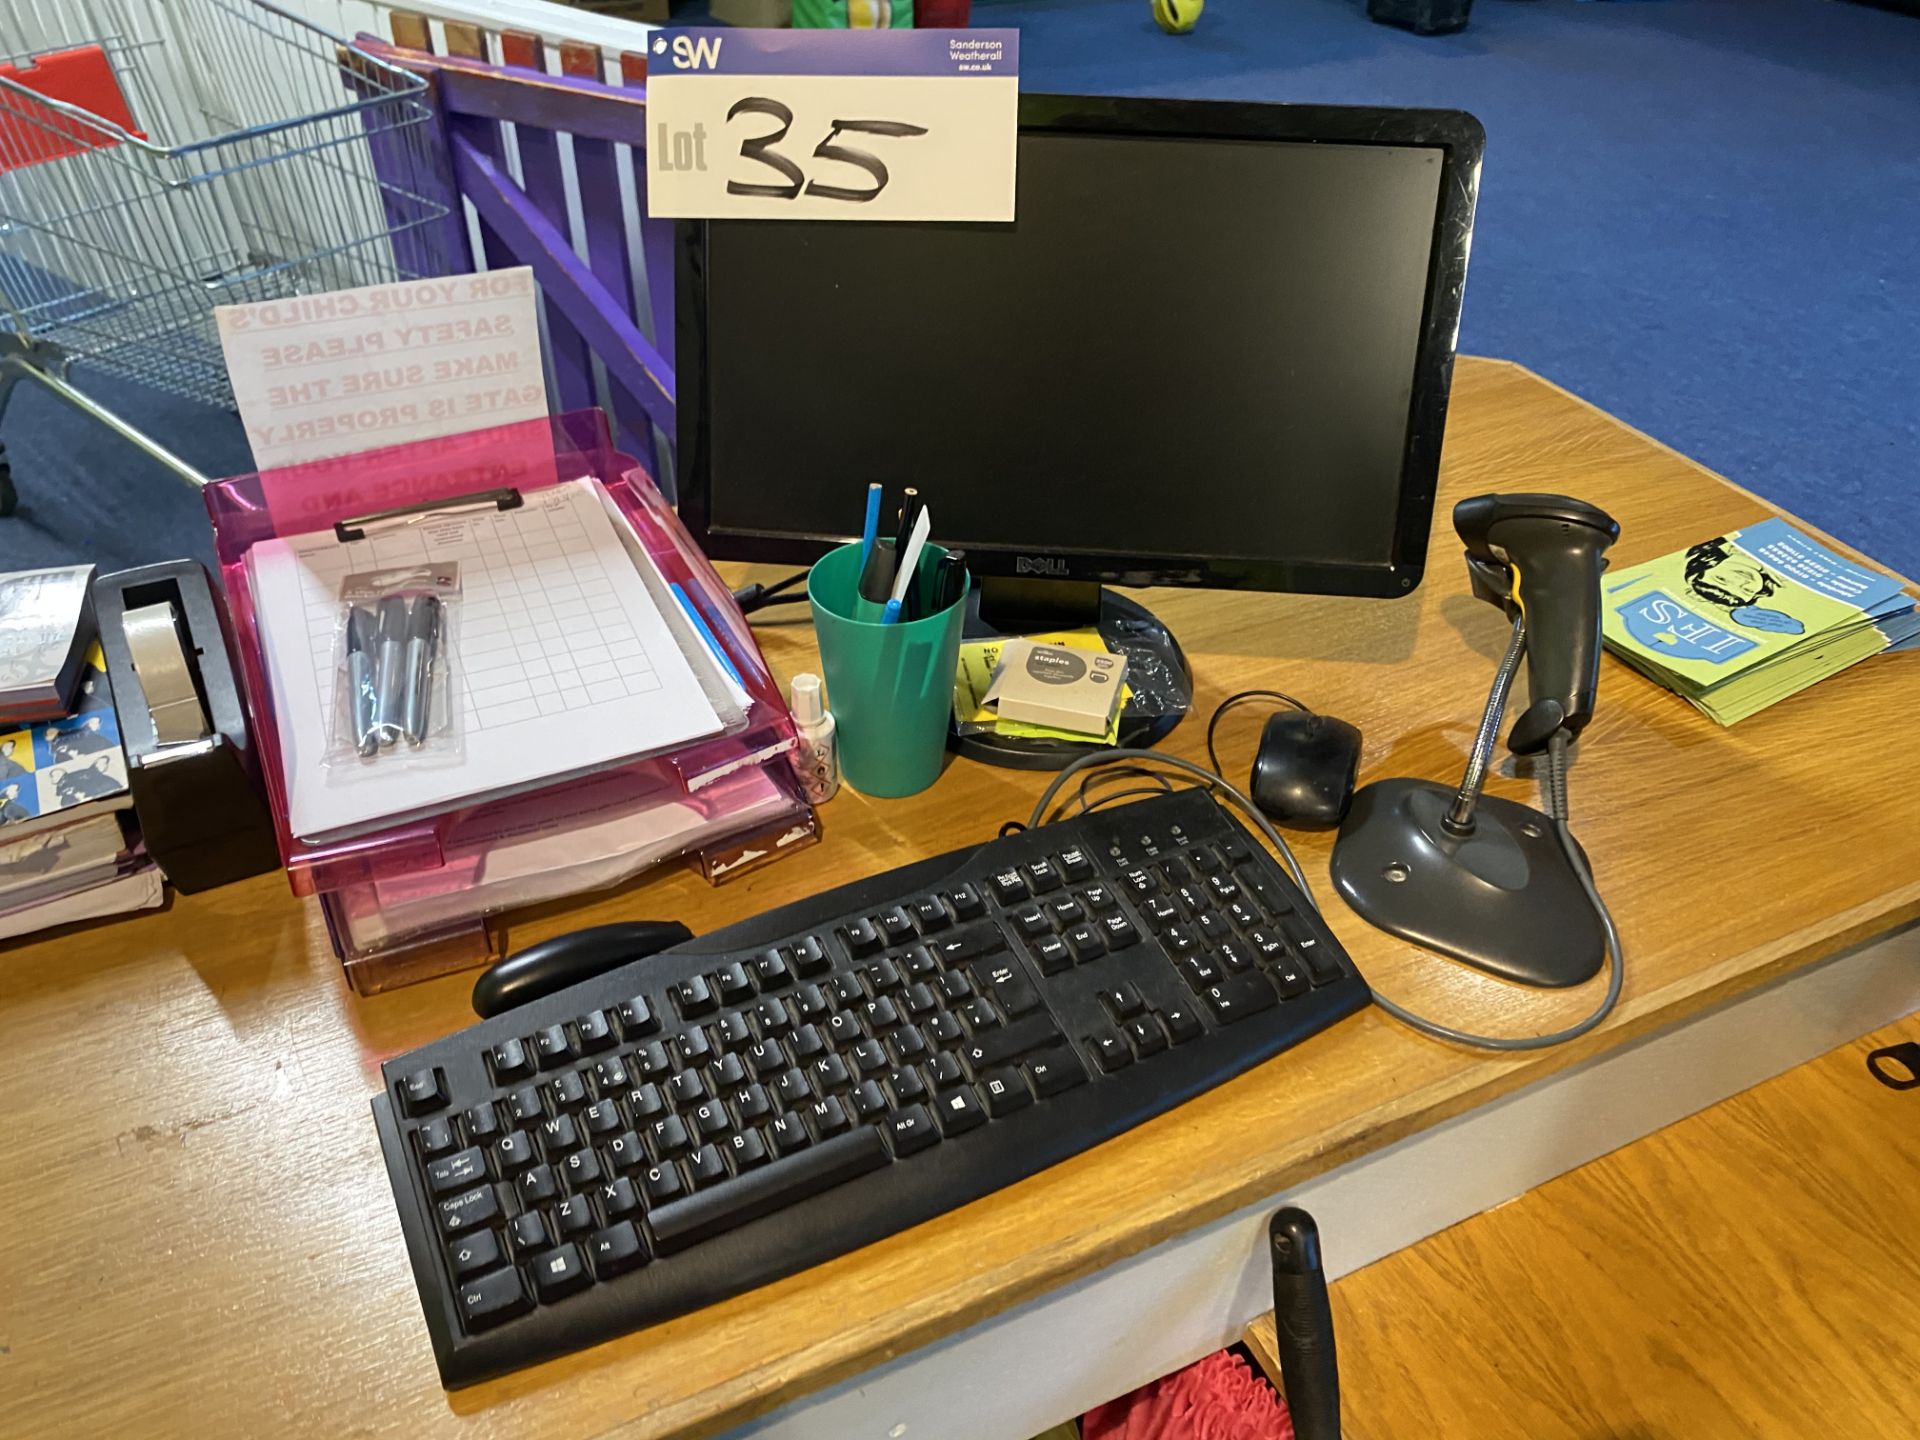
{"points": [[1190, 356]]}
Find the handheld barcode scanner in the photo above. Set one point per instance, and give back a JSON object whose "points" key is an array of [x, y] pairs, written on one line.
{"points": [[1481, 878], [1539, 557]]}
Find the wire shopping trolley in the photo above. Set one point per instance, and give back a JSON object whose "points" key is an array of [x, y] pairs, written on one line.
{"points": [[162, 157]]}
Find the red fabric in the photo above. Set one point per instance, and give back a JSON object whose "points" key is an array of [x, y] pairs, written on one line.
{"points": [[1218, 1398], [31, 134], [941, 14]]}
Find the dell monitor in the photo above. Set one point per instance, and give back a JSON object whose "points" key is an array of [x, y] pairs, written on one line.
{"points": [[1213, 348]]}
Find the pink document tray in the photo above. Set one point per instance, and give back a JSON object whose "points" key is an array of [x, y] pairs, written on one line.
{"points": [[249, 508]]}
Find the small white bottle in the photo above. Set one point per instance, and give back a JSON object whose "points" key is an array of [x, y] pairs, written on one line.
{"points": [[816, 758]]}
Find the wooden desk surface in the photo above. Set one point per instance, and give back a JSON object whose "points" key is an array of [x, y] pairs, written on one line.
{"points": [[195, 1228], [1751, 1270]]}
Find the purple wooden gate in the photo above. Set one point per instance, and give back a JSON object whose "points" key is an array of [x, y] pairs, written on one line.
{"points": [[514, 136]]}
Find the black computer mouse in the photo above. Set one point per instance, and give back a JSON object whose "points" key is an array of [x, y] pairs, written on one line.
{"points": [[1304, 771], [568, 959]]}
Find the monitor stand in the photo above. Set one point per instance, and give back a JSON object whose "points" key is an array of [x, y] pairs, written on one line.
{"points": [[1156, 669]]}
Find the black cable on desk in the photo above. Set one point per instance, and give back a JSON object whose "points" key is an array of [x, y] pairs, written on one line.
{"points": [[1132, 763], [1137, 760], [758, 597], [1241, 698]]}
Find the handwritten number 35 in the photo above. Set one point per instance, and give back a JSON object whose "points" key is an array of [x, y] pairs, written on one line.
{"points": [[760, 148]]}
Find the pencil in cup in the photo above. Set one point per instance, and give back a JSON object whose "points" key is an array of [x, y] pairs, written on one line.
{"points": [[890, 687]]}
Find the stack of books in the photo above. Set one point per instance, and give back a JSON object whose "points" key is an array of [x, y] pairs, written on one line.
{"points": [[69, 849], [1747, 619]]}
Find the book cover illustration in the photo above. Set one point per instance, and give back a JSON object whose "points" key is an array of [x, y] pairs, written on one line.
{"points": [[1735, 602], [66, 763], [19, 800]]}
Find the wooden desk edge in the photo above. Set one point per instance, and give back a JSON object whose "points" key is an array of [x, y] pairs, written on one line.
{"points": [[760, 1389]]}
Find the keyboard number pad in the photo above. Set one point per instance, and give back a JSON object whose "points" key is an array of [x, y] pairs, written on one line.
{"points": [[1220, 914]]}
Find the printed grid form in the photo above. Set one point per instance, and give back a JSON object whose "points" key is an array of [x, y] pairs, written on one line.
{"points": [[540, 631]]}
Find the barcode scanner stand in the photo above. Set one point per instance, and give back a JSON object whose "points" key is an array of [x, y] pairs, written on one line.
{"points": [[1474, 876]]}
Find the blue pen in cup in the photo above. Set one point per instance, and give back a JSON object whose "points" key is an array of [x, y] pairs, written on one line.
{"points": [[875, 579], [870, 531]]}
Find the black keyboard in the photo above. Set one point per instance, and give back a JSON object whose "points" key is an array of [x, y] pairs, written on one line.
{"points": [[769, 1096]]}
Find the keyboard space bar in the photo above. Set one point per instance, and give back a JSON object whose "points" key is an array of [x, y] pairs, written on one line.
{"points": [[770, 1188]]}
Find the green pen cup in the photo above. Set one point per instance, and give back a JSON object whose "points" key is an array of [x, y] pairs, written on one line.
{"points": [[890, 687]]}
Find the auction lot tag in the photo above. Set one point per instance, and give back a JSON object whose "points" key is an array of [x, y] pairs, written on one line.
{"points": [[747, 124]]}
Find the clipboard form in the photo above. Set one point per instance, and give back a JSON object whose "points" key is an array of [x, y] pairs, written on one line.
{"points": [[614, 728], [570, 662]]}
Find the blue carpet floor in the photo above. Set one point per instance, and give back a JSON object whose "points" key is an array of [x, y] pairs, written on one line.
{"points": [[1703, 215]]}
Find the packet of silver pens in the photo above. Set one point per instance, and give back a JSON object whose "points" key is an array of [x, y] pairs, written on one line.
{"points": [[396, 689]]}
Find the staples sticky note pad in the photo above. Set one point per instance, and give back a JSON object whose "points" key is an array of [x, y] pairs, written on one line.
{"points": [[1069, 689]]}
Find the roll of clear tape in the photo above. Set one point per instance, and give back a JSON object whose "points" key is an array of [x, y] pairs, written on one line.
{"points": [[153, 639]]}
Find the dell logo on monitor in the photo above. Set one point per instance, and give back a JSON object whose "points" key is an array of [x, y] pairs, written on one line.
{"points": [[1038, 565]]}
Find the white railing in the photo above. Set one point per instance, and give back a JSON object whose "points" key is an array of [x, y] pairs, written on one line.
{"points": [[552, 23]]}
